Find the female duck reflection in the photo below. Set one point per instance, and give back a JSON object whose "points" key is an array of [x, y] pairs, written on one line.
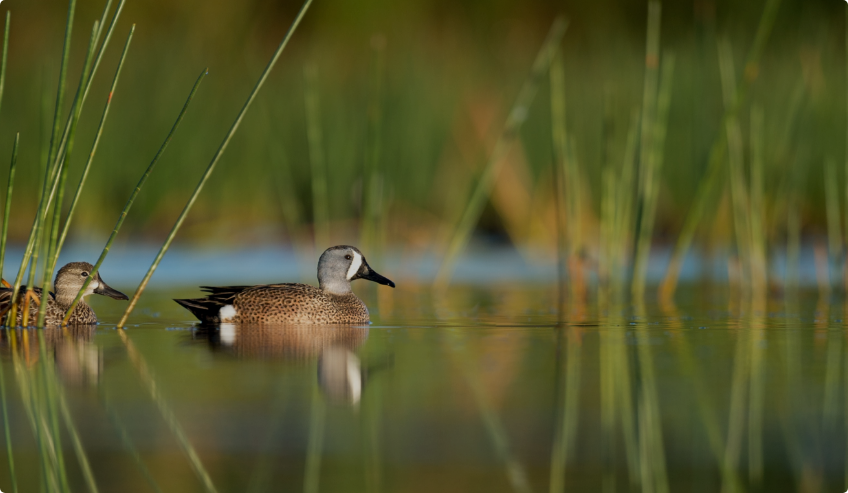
{"points": [[341, 375]]}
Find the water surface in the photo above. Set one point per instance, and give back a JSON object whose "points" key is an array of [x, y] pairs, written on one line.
{"points": [[480, 389]]}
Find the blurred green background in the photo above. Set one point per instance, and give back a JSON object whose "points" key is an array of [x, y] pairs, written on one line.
{"points": [[452, 71]]}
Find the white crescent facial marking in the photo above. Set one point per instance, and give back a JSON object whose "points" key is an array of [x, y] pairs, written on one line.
{"points": [[355, 264], [227, 313]]}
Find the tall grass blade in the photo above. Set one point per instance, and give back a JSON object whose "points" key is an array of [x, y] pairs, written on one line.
{"points": [[214, 161], [834, 233], [133, 196], [149, 383], [652, 180], [759, 262], [568, 406], [708, 186], [645, 179], [87, 473], [7, 433], [516, 118], [736, 167], [8, 206], [94, 145], [560, 173], [317, 160], [53, 255], [317, 418]]}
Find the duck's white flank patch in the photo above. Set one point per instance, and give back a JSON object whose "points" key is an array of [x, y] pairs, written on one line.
{"points": [[227, 313], [355, 264], [354, 377], [228, 334]]}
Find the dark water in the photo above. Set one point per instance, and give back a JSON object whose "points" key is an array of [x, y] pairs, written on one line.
{"points": [[481, 389]]}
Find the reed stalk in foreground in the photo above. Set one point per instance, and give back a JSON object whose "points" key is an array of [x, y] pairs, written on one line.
{"points": [[318, 417], [94, 145], [133, 196], [53, 252], [211, 166], [561, 175], [647, 166], [653, 161], [51, 172], [845, 281], [834, 235], [8, 206], [517, 116], [708, 186]]}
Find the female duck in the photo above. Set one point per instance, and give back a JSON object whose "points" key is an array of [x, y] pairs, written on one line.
{"points": [[69, 280]]}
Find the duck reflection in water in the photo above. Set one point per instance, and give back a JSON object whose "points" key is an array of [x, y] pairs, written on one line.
{"points": [[341, 375], [79, 362]]}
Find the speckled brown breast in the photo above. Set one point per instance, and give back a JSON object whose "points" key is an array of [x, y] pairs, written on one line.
{"points": [[297, 304], [82, 315]]}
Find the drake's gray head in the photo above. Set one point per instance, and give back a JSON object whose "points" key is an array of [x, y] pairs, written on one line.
{"points": [[341, 264], [70, 279]]}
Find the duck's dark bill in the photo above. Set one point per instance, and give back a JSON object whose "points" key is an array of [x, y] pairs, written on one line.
{"points": [[373, 276], [105, 290]]}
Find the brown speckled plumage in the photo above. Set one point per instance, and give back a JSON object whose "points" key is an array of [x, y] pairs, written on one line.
{"points": [[68, 282], [331, 303]]}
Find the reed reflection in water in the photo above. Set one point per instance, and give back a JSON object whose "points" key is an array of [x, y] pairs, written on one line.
{"points": [[485, 390]]}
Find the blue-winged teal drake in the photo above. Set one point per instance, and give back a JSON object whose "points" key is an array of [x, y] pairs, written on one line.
{"points": [[332, 302], [69, 280]]}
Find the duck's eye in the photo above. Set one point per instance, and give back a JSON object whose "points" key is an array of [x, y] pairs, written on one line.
{"points": [[348, 257], [84, 274]]}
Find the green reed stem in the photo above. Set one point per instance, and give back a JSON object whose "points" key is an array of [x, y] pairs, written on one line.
{"points": [[85, 466], [624, 227], [317, 159], [517, 116], [846, 156], [7, 430], [14, 149], [653, 161], [756, 407], [759, 267], [60, 91], [707, 187], [49, 175], [94, 145], [568, 405], [561, 175], [8, 206], [53, 251], [737, 410], [149, 383], [736, 166], [29, 400], [834, 235], [214, 161], [133, 196], [317, 418], [48, 387], [63, 143], [128, 443], [646, 174]]}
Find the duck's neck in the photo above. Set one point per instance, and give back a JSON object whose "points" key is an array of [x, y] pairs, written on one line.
{"points": [[66, 299], [335, 286]]}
